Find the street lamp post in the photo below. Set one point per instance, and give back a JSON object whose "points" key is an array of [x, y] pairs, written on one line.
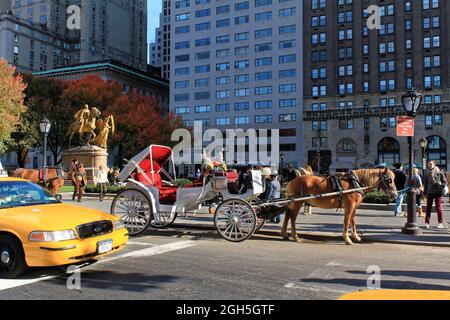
{"points": [[45, 126], [319, 144], [282, 166], [411, 103], [423, 144]]}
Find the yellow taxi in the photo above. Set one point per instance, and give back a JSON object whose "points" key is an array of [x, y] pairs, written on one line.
{"points": [[38, 230]]}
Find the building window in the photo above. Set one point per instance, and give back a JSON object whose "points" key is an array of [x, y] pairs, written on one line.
{"points": [[388, 151]]}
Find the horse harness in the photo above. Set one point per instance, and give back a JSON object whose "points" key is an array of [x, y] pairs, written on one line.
{"points": [[355, 184], [337, 185]]}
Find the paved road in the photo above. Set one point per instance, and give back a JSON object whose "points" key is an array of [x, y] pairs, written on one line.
{"points": [[185, 264]]}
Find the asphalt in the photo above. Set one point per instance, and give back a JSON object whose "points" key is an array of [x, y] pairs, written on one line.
{"points": [[379, 226]]}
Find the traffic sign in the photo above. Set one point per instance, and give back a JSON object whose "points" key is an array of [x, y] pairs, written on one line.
{"points": [[405, 126]]}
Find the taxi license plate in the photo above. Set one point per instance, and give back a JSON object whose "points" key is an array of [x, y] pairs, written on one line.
{"points": [[104, 246]]}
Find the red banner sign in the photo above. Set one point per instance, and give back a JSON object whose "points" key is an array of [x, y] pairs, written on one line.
{"points": [[405, 126]]}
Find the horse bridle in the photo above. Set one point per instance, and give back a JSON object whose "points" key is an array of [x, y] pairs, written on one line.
{"points": [[385, 182]]}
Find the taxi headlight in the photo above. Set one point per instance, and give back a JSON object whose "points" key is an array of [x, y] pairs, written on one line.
{"points": [[52, 236], [118, 225]]}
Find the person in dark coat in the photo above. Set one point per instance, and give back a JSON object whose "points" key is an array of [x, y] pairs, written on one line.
{"points": [[435, 182], [400, 183]]}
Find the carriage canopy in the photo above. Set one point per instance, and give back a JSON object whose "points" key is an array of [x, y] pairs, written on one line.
{"points": [[155, 153]]}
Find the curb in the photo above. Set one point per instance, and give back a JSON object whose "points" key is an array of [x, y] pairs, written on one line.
{"points": [[318, 236]]}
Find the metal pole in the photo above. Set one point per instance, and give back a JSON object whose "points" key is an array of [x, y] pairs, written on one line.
{"points": [[319, 143], [44, 169], [424, 163], [411, 226]]}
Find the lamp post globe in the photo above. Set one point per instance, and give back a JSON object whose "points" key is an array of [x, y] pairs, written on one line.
{"points": [[45, 126], [411, 103]]}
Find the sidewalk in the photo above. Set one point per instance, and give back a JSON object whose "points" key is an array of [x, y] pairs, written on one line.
{"points": [[373, 226]]}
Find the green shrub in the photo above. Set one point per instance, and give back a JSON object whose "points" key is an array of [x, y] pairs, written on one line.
{"points": [[182, 182], [378, 197], [90, 188]]}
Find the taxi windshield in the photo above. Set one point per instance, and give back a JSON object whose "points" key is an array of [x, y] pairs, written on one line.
{"points": [[22, 193]]}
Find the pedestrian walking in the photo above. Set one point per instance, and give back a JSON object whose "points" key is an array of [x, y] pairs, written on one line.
{"points": [[400, 182], [116, 174], [101, 180], [274, 191], [79, 180], [435, 183], [448, 179], [111, 176], [291, 175], [418, 186]]}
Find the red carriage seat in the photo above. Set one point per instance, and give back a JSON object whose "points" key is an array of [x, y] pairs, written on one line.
{"points": [[233, 182], [167, 195]]}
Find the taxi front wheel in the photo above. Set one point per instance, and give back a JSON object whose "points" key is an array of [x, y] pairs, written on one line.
{"points": [[12, 260]]}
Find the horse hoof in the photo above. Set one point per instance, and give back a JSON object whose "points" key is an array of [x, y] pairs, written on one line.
{"points": [[299, 241], [357, 239], [348, 242]]}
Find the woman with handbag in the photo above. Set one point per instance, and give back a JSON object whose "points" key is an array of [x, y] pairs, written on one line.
{"points": [[435, 184]]}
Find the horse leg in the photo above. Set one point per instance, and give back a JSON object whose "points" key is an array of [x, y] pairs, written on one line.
{"points": [[294, 213], [348, 212], [355, 235], [287, 216]]}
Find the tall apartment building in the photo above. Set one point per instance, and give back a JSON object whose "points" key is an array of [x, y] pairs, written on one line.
{"points": [[31, 48], [114, 29], [155, 49], [35, 36], [355, 78], [165, 28], [238, 64]]}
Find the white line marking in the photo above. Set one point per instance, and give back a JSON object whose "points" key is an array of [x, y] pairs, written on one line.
{"points": [[314, 288], [9, 284], [152, 251], [141, 244]]}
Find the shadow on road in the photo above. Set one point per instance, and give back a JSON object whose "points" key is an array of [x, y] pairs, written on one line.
{"points": [[389, 284], [109, 280], [438, 275]]}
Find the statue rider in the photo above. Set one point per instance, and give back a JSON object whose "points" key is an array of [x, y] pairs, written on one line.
{"points": [[82, 116]]}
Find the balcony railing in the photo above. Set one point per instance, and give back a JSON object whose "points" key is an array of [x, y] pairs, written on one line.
{"points": [[371, 112]]}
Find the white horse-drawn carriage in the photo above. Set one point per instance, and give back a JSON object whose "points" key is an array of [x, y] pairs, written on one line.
{"points": [[152, 197]]}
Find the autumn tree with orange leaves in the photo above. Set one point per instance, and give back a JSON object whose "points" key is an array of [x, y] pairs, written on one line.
{"points": [[11, 102]]}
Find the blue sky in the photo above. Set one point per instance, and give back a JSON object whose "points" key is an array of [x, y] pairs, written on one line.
{"points": [[154, 9]]}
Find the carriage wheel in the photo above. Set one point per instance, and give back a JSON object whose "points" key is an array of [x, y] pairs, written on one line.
{"points": [[161, 220], [134, 208], [235, 220]]}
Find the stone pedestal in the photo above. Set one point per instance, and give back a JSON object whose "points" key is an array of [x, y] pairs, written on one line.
{"points": [[91, 157]]}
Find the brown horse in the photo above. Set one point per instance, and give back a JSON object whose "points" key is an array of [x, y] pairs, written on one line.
{"points": [[313, 185], [53, 177]]}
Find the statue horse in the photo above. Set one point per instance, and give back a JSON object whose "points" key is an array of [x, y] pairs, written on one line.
{"points": [[81, 129], [314, 185], [54, 176]]}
